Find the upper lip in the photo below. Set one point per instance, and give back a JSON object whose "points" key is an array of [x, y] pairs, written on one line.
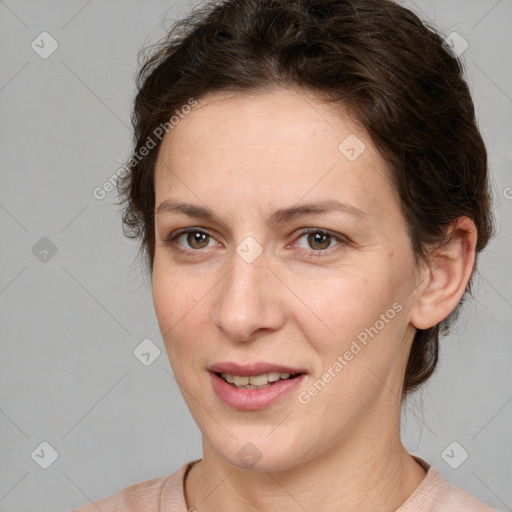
{"points": [[251, 369]]}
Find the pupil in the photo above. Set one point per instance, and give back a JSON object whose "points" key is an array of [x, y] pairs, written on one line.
{"points": [[196, 238], [317, 238]]}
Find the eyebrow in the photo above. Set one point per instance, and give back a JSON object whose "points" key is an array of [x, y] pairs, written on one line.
{"points": [[277, 217]]}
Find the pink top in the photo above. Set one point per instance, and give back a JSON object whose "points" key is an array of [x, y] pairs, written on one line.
{"points": [[166, 494]]}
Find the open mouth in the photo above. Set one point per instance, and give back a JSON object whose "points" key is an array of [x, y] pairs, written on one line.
{"points": [[262, 381]]}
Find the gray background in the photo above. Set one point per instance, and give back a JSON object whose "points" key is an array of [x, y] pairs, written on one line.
{"points": [[69, 325]]}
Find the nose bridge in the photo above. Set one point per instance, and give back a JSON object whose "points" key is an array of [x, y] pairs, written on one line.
{"points": [[247, 300]]}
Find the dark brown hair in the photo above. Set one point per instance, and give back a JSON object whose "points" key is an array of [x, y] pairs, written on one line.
{"points": [[372, 57]]}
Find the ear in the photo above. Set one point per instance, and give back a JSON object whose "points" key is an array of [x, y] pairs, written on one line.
{"points": [[446, 277]]}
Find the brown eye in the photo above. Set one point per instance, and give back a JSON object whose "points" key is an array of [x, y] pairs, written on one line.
{"points": [[319, 240], [196, 239]]}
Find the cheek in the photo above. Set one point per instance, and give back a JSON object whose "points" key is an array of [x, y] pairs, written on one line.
{"points": [[345, 306], [174, 293], [164, 289], [181, 304], [368, 320], [367, 316]]}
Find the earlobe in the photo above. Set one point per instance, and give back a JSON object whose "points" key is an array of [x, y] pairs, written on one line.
{"points": [[448, 273]]}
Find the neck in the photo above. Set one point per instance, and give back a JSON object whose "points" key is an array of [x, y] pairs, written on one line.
{"points": [[365, 471]]}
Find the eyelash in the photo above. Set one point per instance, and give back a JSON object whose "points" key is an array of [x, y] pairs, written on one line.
{"points": [[314, 253]]}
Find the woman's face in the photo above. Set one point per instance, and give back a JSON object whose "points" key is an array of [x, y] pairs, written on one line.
{"points": [[248, 285]]}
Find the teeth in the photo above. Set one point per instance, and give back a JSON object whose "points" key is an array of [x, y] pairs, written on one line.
{"points": [[273, 376], [228, 377], [241, 381], [254, 380], [257, 380]]}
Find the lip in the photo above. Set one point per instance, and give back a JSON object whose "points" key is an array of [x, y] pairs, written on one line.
{"points": [[249, 370], [253, 399]]}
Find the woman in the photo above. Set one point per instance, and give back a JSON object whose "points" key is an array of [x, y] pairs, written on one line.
{"points": [[310, 190]]}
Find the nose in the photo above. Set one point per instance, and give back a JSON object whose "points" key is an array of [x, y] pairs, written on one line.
{"points": [[251, 299]]}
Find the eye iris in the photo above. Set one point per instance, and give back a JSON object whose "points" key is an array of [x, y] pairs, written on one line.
{"points": [[196, 237], [314, 238]]}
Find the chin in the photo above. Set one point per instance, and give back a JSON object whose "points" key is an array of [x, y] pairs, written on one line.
{"points": [[267, 464], [262, 454]]}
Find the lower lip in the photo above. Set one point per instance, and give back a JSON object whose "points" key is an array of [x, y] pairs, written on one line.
{"points": [[253, 399]]}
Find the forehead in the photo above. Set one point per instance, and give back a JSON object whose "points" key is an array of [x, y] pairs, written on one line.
{"points": [[273, 146], [285, 119]]}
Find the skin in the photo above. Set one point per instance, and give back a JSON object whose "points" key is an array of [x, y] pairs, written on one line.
{"points": [[243, 157]]}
